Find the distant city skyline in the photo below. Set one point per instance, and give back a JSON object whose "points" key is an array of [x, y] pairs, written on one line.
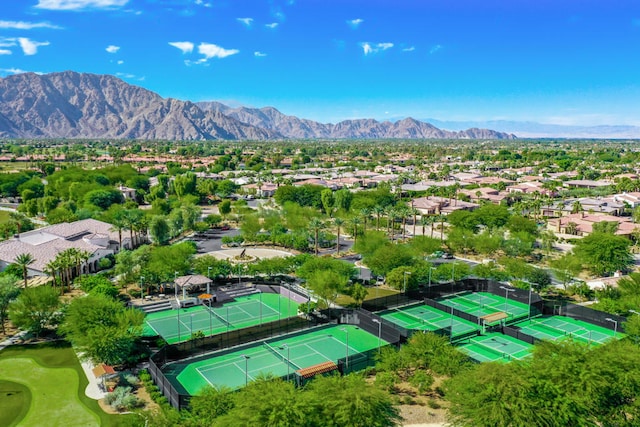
{"points": [[573, 62]]}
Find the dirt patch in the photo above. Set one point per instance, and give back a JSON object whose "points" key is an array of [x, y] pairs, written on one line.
{"points": [[142, 394], [420, 408], [416, 414]]}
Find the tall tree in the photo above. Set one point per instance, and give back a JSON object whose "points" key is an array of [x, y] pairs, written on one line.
{"points": [[23, 261], [103, 329], [338, 222], [9, 291], [36, 309], [316, 225]]}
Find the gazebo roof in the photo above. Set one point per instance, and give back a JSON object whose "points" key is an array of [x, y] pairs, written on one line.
{"points": [[102, 370], [192, 280]]}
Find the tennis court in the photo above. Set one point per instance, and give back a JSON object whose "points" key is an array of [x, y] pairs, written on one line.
{"points": [[425, 318], [280, 357], [495, 347], [480, 304], [177, 325], [560, 327]]}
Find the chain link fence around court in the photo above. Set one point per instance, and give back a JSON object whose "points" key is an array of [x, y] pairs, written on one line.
{"points": [[589, 315], [443, 290]]}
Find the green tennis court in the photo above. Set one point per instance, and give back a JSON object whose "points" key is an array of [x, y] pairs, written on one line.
{"points": [[494, 347], [177, 325], [280, 357], [480, 304], [425, 318], [560, 327]]}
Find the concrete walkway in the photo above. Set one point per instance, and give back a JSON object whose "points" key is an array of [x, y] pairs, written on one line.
{"points": [[14, 340], [93, 389]]}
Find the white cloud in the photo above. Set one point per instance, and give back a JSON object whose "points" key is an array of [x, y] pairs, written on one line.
{"points": [[355, 23], [120, 62], [210, 50], [22, 25], [5, 52], [185, 47], [271, 25], [12, 71], [369, 48], [30, 47], [435, 49], [259, 54], [79, 4], [112, 49], [409, 49], [202, 61], [245, 21]]}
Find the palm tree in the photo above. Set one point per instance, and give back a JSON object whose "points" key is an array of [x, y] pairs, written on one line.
{"points": [[378, 211], [576, 207], [338, 222], [52, 269], [391, 216], [118, 224], [316, 225], [355, 222], [23, 261], [365, 214]]}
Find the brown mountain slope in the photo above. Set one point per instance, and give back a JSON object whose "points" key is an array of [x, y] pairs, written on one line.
{"points": [[79, 105]]}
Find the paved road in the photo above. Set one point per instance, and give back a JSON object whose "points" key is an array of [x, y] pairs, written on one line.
{"points": [[213, 240]]}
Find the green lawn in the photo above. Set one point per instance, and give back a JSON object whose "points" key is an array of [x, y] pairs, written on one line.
{"points": [[44, 385], [4, 216]]}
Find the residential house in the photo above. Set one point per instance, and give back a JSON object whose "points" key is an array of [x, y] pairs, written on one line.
{"points": [[44, 244]]}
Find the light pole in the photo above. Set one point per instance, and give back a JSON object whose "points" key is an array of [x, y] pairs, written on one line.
{"points": [[210, 320], [282, 347], [175, 284], [638, 313], [239, 274], [379, 332], [260, 306], [346, 332], [246, 369], [585, 329], [178, 324], [430, 270], [404, 276], [191, 328], [142, 287], [506, 296], [451, 326], [530, 290], [209, 282], [615, 325], [453, 272]]}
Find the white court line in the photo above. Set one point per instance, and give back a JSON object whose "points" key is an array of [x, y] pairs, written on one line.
{"points": [[154, 329], [317, 352]]}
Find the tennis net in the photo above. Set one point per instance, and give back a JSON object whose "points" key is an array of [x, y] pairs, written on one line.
{"points": [[550, 329], [418, 318], [222, 319], [282, 356]]}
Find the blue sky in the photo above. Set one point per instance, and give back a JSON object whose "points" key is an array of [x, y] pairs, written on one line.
{"points": [[564, 62]]}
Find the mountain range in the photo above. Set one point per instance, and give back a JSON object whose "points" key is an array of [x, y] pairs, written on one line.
{"points": [[81, 105], [529, 129]]}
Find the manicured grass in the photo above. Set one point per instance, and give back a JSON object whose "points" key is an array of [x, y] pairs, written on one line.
{"points": [[16, 400], [56, 381], [4, 217]]}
